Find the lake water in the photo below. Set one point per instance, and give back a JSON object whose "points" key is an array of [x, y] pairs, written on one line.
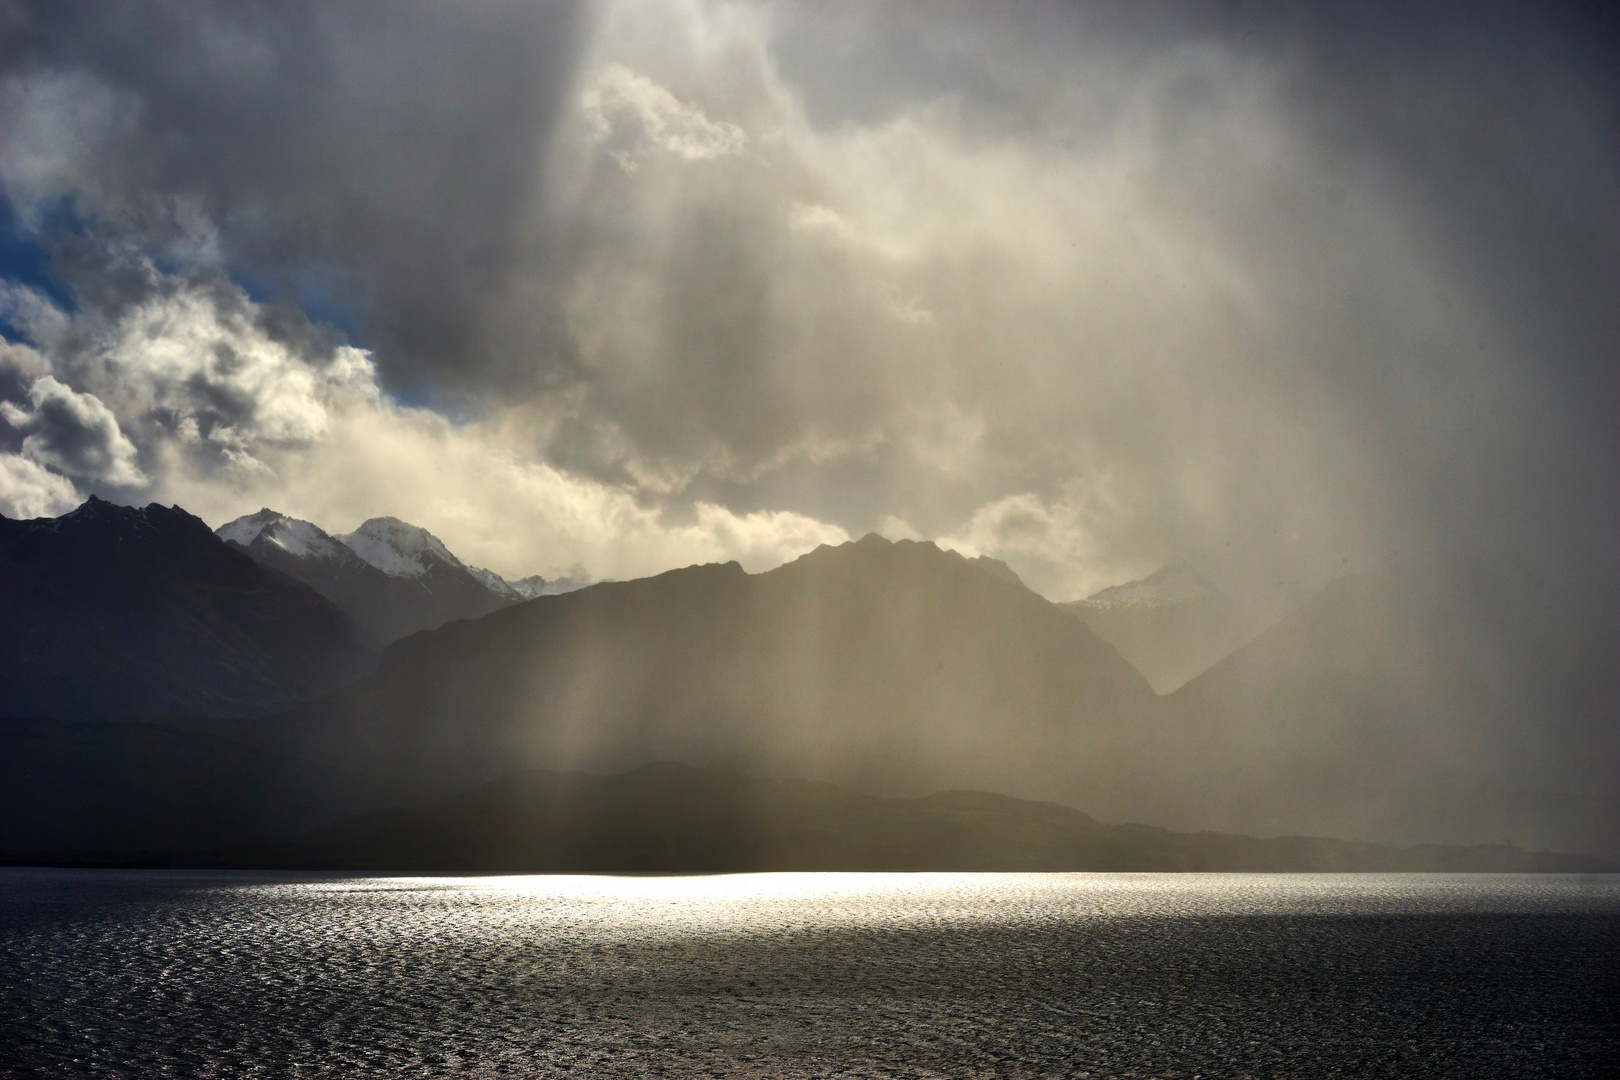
{"points": [[113, 973]]}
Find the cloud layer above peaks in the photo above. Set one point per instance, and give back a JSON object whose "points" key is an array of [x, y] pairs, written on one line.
{"points": [[1283, 288]]}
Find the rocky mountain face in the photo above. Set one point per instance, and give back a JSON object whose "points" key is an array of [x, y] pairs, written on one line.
{"points": [[391, 577], [114, 611], [1171, 625]]}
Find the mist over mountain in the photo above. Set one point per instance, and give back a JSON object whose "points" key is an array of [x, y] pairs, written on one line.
{"points": [[112, 611], [1379, 711], [890, 666], [1398, 704], [1280, 290], [1171, 625]]}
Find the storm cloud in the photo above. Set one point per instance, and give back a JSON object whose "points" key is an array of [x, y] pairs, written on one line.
{"points": [[1282, 289], [74, 433]]}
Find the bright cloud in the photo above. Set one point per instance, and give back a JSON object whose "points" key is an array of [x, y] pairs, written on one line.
{"points": [[29, 490], [632, 116]]}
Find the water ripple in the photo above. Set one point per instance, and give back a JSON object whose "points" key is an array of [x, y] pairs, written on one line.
{"points": [[806, 975]]}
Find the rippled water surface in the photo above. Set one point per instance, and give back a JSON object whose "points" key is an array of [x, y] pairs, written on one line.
{"points": [[798, 975]]}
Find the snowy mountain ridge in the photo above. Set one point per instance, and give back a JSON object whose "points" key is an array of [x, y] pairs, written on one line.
{"points": [[393, 578], [534, 585], [399, 548], [496, 584], [1166, 587], [300, 538]]}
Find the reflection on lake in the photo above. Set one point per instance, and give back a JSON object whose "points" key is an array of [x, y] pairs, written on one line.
{"points": [[798, 975]]}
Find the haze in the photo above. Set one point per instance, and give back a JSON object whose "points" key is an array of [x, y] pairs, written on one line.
{"points": [[1281, 292]]}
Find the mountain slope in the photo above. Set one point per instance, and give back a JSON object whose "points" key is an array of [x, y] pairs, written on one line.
{"points": [[889, 666], [113, 611]]}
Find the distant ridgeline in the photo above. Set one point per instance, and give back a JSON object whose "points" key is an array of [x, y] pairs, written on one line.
{"points": [[674, 818], [171, 692], [391, 578]]}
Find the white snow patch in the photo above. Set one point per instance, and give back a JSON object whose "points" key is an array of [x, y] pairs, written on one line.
{"points": [[246, 528], [398, 548], [300, 538], [496, 584], [534, 585], [305, 540], [1174, 584]]}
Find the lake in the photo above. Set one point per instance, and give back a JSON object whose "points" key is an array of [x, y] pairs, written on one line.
{"points": [[152, 973]]}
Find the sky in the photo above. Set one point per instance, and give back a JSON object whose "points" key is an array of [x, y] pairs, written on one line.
{"points": [[1279, 289]]}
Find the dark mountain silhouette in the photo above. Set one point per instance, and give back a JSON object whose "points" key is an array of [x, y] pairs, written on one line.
{"points": [[113, 611], [678, 819], [136, 786], [890, 666], [673, 818], [413, 583]]}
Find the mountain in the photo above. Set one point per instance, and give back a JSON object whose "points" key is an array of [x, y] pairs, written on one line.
{"points": [[1391, 709], [497, 585], [534, 585], [526, 588], [1412, 706], [1170, 586], [135, 785], [888, 666], [392, 578], [1171, 625], [114, 611], [997, 568], [1404, 705], [384, 606]]}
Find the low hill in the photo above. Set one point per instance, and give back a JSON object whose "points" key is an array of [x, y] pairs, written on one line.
{"points": [[673, 818]]}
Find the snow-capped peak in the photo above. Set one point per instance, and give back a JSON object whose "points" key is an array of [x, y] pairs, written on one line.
{"points": [[534, 585], [398, 548], [244, 530], [1173, 584], [296, 537], [303, 539]]}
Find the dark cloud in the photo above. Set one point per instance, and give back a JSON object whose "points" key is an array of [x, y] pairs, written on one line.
{"points": [[73, 433], [394, 147]]}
